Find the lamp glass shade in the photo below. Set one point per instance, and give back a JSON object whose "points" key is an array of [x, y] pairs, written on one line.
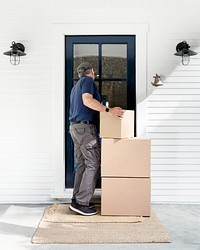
{"points": [[15, 59]]}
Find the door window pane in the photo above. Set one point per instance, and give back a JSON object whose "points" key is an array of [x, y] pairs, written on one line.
{"points": [[85, 53], [114, 61], [115, 92]]}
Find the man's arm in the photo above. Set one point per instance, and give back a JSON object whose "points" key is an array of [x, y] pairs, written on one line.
{"points": [[92, 103]]}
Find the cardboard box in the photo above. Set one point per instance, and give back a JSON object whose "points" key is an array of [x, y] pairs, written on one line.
{"points": [[125, 157], [126, 196], [113, 127]]}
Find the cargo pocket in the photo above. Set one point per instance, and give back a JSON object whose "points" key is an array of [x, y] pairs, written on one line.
{"points": [[80, 131], [91, 144]]}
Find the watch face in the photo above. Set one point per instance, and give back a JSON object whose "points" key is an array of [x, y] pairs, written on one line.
{"points": [[107, 109]]}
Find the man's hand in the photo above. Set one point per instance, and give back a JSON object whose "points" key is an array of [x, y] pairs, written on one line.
{"points": [[117, 111], [90, 102]]}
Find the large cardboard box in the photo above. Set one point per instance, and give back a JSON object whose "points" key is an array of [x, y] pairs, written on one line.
{"points": [[113, 127], [125, 157], [126, 196]]}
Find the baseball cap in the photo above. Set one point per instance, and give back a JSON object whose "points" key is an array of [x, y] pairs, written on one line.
{"points": [[84, 66]]}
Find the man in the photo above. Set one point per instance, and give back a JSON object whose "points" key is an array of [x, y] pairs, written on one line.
{"points": [[84, 116]]}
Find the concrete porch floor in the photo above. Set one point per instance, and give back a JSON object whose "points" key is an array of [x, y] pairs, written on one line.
{"points": [[18, 223]]}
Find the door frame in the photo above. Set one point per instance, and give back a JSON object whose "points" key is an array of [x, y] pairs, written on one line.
{"points": [[60, 31], [130, 78]]}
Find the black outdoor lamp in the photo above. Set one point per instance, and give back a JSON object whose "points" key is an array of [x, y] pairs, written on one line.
{"points": [[17, 50], [183, 50]]}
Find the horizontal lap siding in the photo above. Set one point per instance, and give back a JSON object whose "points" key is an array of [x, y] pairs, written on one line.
{"points": [[173, 124], [27, 112]]}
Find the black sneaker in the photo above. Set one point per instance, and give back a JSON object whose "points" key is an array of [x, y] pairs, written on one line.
{"points": [[91, 204], [81, 209]]}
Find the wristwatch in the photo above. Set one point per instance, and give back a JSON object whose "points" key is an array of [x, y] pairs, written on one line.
{"points": [[107, 109]]}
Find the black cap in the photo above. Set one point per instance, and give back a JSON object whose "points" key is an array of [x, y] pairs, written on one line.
{"points": [[83, 67]]}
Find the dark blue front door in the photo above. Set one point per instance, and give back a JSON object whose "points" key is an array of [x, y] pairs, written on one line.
{"points": [[113, 58]]}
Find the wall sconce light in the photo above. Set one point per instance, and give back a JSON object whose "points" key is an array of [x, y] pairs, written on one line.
{"points": [[17, 50], [183, 50], [157, 81]]}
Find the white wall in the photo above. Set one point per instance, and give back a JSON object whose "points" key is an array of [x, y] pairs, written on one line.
{"points": [[26, 109], [27, 131], [173, 123]]}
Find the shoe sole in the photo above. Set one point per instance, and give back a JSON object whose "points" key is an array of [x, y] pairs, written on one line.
{"points": [[81, 212]]}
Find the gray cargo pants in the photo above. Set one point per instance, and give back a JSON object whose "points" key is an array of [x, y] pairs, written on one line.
{"points": [[87, 153]]}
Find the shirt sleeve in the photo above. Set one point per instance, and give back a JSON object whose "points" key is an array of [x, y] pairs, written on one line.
{"points": [[88, 86]]}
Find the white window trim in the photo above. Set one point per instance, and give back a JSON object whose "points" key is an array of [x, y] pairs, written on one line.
{"points": [[62, 29]]}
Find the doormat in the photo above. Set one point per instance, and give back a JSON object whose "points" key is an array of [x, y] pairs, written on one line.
{"points": [[55, 230], [60, 213]]}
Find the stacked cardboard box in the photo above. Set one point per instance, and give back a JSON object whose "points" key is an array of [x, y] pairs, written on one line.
{"points": [[125, 167]]}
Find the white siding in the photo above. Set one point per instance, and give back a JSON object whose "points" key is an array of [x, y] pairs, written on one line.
{"points": [[28, 91], [173, 124], [26, 111]]}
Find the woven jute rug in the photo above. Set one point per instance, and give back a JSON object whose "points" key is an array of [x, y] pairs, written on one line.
{"points": [[60, 225], [60, 213]]}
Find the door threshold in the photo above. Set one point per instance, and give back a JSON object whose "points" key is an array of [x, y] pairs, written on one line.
{"points": [[66, 195]]}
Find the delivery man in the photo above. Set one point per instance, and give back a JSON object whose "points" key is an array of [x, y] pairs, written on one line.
{"points": [[85, 105]]}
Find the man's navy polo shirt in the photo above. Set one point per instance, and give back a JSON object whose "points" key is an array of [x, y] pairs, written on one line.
{"points": [[78, 111]]}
